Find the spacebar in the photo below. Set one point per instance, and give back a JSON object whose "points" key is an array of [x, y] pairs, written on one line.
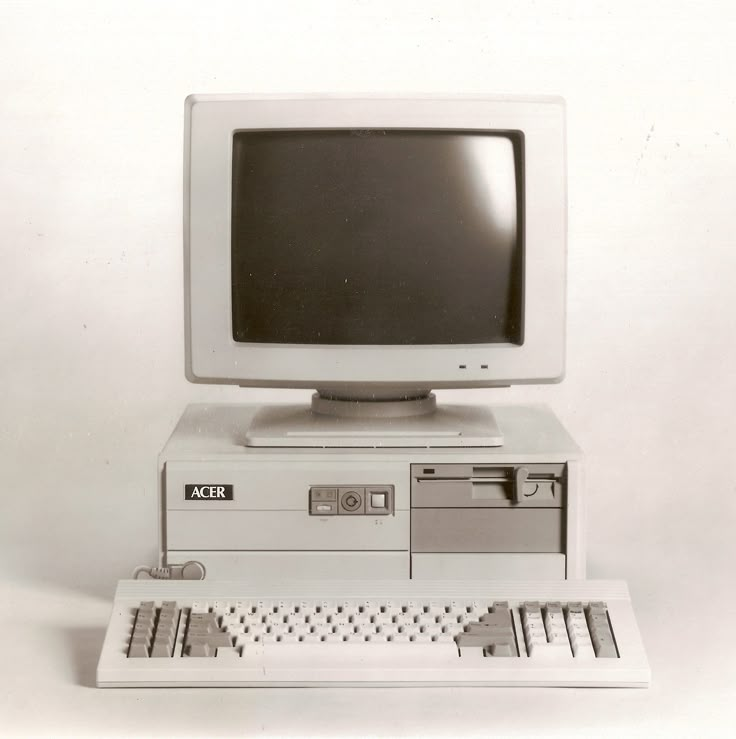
{"points": [[357, 654]]}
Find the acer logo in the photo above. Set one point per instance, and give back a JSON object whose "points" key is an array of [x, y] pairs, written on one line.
{"points": [[208, 492]]}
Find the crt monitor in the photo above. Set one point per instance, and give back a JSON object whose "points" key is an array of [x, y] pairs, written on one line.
{"points": [[375, 249]]}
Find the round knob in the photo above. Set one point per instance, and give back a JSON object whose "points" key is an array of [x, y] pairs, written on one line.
{"points": [[351, 501]]}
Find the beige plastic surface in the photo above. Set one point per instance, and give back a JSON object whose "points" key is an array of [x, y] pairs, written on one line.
{"points": [[300, 565], [447, 426], [457, 566], [486, 530], [287, 530]]}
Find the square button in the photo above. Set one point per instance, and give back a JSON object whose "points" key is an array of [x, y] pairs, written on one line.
{"points": [[378, 500]]}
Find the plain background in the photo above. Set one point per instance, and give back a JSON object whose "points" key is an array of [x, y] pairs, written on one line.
{"points": [[91, 321]]}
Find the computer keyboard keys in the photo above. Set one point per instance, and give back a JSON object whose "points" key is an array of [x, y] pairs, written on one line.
{"points": [[604, 645], [600, 630], [532, 625], [221, 639], [401, 639], [145, 620], [501, 619], [225, 654], [444, 638], [531, 608], [161, 649], [486, 640], [138, 648], [143, 631], [554, 621], [488, 634], [204, 637], [501, 650], [547, 650], [200, 650]]}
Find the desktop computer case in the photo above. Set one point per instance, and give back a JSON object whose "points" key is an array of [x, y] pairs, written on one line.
{"points": [[513, 511]]}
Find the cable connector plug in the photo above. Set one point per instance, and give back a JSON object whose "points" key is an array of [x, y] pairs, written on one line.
{"points": [[191, 570]]}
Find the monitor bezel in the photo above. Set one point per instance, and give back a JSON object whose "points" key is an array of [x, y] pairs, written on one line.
{"points": [[213, 356]]}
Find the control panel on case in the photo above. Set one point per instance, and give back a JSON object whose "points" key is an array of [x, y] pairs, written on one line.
{"points": [[351, 500]]}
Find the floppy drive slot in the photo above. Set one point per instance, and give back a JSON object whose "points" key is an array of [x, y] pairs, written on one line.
{"points": [[466, 486]]}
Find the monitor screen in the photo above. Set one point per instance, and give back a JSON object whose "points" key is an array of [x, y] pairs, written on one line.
{"points": [[377, 237]]}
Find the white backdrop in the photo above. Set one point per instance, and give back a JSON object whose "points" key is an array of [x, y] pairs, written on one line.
{"points": [[91, 319]]}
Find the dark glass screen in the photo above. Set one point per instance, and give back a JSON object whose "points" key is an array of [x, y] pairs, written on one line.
{"points": [[376, 237]]}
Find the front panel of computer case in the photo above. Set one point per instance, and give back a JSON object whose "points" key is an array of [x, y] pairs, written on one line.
{"points": [[513, 511]]}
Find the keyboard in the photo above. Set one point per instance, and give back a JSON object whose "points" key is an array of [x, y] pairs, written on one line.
{"points": [[372, 633]]}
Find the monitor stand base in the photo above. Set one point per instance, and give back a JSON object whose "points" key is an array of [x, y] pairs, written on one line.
{"points": [[332, 423]]}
